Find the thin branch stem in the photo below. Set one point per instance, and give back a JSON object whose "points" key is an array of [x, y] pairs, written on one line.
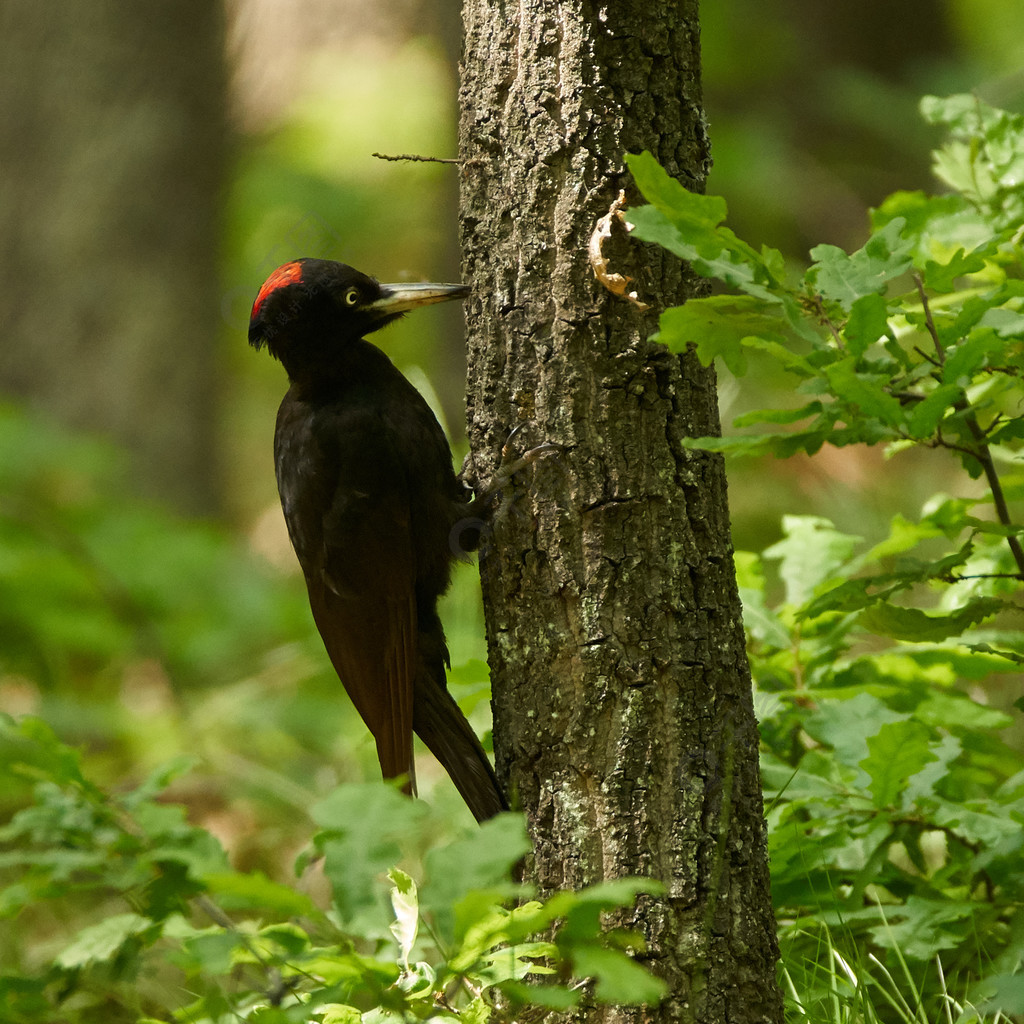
{"points": [[981, 452], [988, 466], [825, 321], [929, 322], [958, 577], [415, 158]]}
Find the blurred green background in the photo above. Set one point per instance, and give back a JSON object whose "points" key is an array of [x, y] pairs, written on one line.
{"points": [[159, 163]]}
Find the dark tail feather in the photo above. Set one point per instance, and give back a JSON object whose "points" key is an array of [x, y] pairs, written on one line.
{"points": [[442, 726]]}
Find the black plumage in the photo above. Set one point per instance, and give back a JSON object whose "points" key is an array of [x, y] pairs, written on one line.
{"points": [[373, 508]]}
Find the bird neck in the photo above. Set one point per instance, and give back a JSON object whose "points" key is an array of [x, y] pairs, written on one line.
{"points": [[342, 363]]}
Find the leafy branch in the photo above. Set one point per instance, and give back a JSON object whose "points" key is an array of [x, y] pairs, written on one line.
{"points": [[913, 340]]}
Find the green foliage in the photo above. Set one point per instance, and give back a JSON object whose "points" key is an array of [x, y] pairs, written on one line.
{"points": [[89, 577], [914, 339], [896, 813], [141, 887]]}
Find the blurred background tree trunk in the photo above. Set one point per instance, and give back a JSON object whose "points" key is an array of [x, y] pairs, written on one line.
{"points": [[112, 142], [624, 723]]}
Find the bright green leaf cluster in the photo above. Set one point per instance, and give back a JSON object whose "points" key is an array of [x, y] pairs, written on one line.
{"points": [[894, 812], [914, 338], [145, 895]]}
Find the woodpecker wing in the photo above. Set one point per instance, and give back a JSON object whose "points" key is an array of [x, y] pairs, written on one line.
{"points": [[345, 501]]}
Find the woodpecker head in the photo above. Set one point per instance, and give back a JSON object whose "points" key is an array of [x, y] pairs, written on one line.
{"points": [[308, 307]]}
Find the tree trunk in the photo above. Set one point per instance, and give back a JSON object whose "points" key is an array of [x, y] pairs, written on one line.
{"points": [[112, 144], [623, 716]]}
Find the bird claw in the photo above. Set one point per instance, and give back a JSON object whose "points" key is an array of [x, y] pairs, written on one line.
{"points": [[508, 469], [474, 527]]}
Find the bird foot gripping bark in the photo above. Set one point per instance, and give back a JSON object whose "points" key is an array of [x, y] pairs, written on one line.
{"points": [[509, 466], [469, 533]]}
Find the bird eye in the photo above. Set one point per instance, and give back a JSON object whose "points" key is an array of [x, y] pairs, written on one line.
{"points": [[352, 297]]}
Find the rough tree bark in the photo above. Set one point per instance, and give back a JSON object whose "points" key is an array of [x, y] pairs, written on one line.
{"points": [[622, 700]]}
